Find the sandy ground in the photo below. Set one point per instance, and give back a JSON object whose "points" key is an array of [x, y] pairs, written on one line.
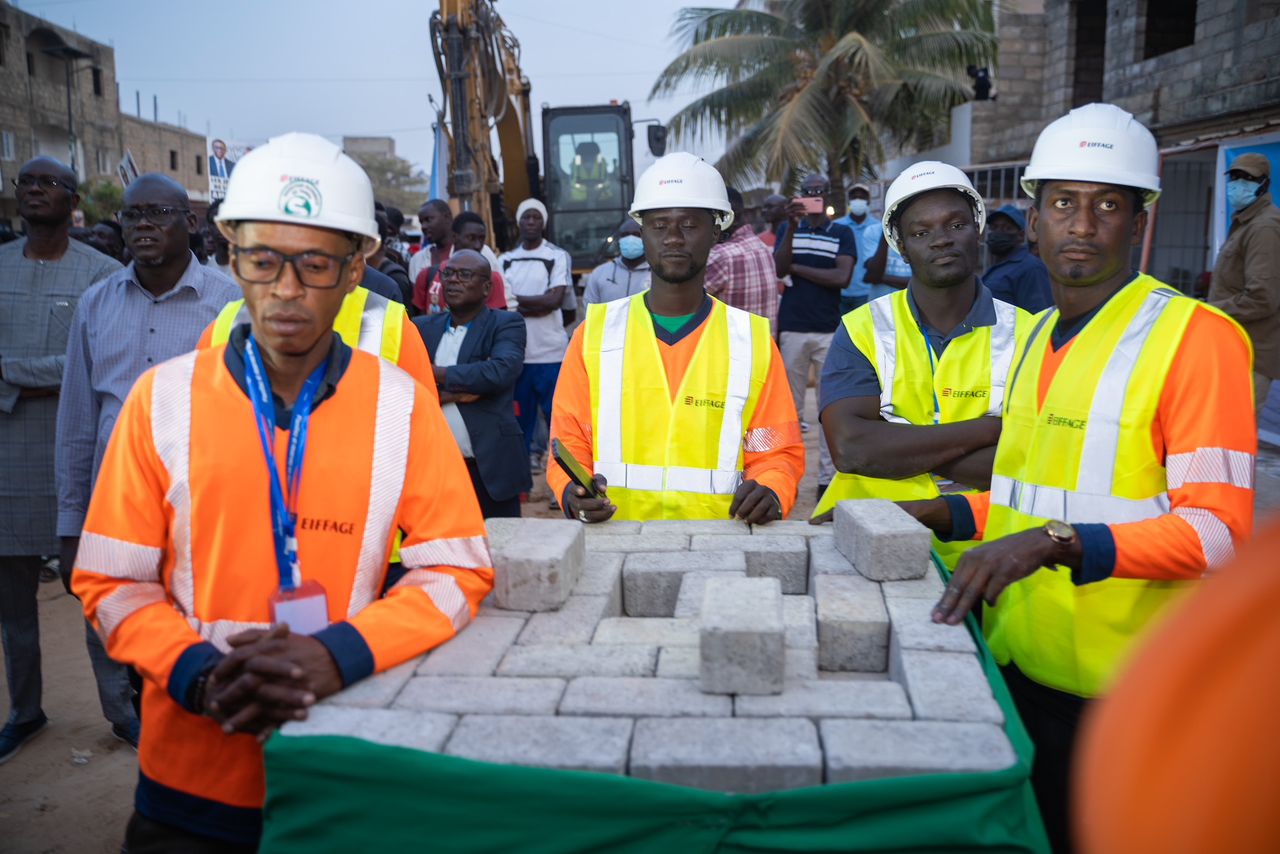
{"points": [[49, 803]]}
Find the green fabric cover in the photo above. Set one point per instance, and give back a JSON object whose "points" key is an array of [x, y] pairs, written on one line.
{"points": [[340, 794], [672, 324]]}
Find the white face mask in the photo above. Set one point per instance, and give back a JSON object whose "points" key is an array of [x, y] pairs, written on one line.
{"points": [[859, 207]]}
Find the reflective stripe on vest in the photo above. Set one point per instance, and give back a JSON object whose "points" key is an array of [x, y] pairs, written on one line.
{"points": [[171, 436], [1085, 456], [667, 468], [366, 321]]}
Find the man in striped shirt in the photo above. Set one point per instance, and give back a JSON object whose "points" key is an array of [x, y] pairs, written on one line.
{"points": [[740, 269]]}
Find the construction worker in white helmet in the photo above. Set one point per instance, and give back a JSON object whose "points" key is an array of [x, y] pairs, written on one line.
{"points": [[913, 384], [368, 321], [675, 405], [235, 548], [1124, 469]]}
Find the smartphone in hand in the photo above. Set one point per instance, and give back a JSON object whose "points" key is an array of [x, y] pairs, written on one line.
{"points": [[811, 204], [573, 468]]}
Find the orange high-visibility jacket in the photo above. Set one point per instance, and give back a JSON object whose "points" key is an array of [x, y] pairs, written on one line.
{"points": [[177, 554]]}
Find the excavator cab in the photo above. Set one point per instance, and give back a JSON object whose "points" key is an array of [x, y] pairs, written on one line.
{"points": [[589, 177]]}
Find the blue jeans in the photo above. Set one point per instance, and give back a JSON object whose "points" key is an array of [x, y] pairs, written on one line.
{"points": [[534, 390]]}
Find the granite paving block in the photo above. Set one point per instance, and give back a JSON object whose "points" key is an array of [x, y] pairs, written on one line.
{"points": [[602, 576], [791, 528], [627, 543], [743, 636], [679, 662], [604, 695], [928, 586], [571, 744], [870, 750], [647, 631], [574, 623], [651, 580], [819, 699], [825, 559], [536, 561], [738, 755], [853, 624], [911, 626], [582, 660], [476, 650], [689, 602], [489, 609], [690, 527], [376, 691], [610, 529], [800, 617], [392, 727], [781, 557], [945, 686], [802, 664], [493, 695], [882, 540]]}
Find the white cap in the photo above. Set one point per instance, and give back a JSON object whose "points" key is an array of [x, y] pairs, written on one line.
{"points": [[682, 180], [301, 179], [1097, 143], [532, 204], [923, 177]]}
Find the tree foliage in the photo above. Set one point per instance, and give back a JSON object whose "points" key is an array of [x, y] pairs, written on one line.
{"points": [[820, 85], [395, 182], [100, 200]]}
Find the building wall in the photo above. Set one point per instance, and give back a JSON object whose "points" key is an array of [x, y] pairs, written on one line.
{"points": [[153, 144]]}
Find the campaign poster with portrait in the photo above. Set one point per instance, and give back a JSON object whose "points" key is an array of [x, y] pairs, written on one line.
{"points": [[222, 156]]}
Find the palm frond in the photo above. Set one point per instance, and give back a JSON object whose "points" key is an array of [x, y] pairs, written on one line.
{"points": [[731, 107], [699, 24], [729, 58]]}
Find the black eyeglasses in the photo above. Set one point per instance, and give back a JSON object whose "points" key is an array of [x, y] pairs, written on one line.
{"points": [[155, 214], [813, 191], [48, 182], [262, 266], [458, 273]]}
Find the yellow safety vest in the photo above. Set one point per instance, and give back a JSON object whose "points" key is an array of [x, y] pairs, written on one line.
{"points": [[671, 457], [1085, 456], [366, 321], [916, 387]]}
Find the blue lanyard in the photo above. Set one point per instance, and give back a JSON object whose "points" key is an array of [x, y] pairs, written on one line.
{"points": [[933, 377], [284, 506]]}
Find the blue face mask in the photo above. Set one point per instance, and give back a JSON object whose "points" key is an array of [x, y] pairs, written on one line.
{"points": [[1241, 193], [859, 207], [631, 247]]}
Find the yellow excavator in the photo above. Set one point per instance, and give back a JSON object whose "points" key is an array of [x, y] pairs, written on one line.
{"points": [[586, 177]]}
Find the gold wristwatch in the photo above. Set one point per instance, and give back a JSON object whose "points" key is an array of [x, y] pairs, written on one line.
{"points": [[1060, 532]]}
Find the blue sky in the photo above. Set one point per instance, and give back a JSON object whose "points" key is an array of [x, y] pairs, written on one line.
{"points": [[249, 69]]}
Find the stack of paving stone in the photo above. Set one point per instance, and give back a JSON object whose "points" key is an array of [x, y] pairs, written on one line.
{"points": [[704, 653]]}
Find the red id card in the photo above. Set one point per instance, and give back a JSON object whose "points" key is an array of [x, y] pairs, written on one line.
{"points": [[304, 608]]}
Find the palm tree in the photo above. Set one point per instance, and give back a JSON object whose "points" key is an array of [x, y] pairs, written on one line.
{"points": [[819, 85]]}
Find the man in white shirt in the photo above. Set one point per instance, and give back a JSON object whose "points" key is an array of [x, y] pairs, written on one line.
{"points": [[538, 273]]}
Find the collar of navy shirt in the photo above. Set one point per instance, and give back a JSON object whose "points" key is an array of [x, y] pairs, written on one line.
{"points": [[336, 365], [981, 313]]}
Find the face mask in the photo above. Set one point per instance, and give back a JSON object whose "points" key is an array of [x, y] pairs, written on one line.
{"points": [[1241, 193], [1001, 243], [859, 207], [631, 247]]}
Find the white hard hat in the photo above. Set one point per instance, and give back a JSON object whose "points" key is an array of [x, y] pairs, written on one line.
{"points": [[682, 180], [301, 179], [921, 178], [1098, 143]]}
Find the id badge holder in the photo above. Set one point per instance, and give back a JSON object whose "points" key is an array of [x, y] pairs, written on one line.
{"points": [[304, 608]]}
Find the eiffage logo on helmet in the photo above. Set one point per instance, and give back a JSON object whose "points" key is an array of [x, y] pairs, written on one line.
{"points": [[1084, 143], [665, 181]]}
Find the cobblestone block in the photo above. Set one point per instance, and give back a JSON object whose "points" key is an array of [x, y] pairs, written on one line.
{"points": [[627, 543], [610, 529], [602, 576], [584, 660], [489, 609], [791, 528], [647, 631], [689, 602], [391, 727], [911, 626], [651, 580], [802, 663], [574, 623], [570, 744], [603, 695], [928, 586], [476, 650], [821, 699], [825, 559], [945, 686], [737, 755], [743, 636], [536, 562], [376, 691], [783, 558], [881, 539], [679, 662], [853, 625], [870, 750], [801, 621], [689, 527], [489, 695]]}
